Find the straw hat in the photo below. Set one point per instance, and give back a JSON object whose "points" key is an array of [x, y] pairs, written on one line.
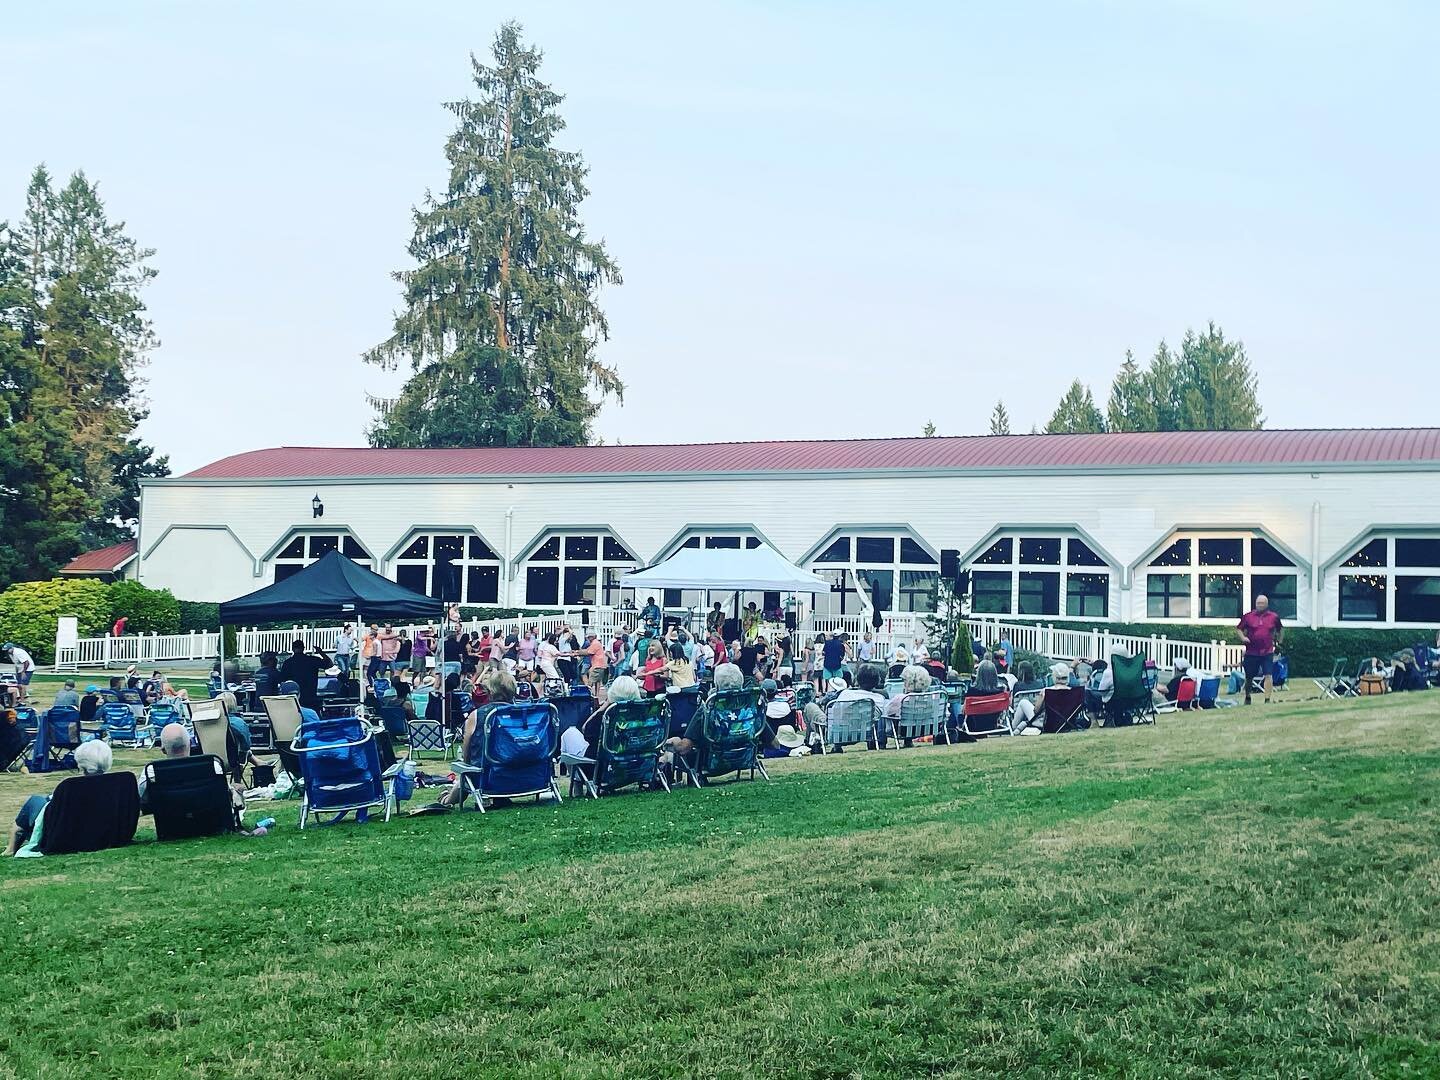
{"points": [[788, 737]]}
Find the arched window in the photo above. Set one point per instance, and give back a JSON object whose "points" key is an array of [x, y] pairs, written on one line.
{"points": [[1038, 574], [457, 567], [1217, 575], [1392, 578], [894, 568], [578, 568], [304, 548]]}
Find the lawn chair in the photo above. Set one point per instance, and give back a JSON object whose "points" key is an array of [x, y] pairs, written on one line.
{"points": [[987, 714], [922, 716], [853, 721], [1132, 701], [627, 750], [189, 797], [211, 723], [512, 753], [573, 705], [1339, 684], [134, 700], [89, 813], [894, 687], [27, 727], [1063, 710], [14, 739], [732, 723], [121, 727], [56, 735], [283, 711], [393, 720], [683, 706], [340, 764], [1207, 694]]}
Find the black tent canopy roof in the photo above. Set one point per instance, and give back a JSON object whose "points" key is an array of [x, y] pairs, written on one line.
{"points": [[332, 587]]}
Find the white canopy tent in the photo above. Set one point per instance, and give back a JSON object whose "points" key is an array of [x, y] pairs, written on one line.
{"points": [[758, 569]]}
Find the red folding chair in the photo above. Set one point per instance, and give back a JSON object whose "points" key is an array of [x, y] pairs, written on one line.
{"points": [[986, 714]]}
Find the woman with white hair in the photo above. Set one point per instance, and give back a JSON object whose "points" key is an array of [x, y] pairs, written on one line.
{"points": [[1029, 715], [577, 741], [727, 677], [92, 758], [914, 679]]}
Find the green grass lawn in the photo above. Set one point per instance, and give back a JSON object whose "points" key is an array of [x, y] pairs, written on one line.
{"points": [[1247, 892]]}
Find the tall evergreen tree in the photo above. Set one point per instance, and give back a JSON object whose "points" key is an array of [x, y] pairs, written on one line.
{"points": [[999, 419], [1076, 413], [74, 340], [500, 324], [929, 430], [1131, 406], [1217, 389]]}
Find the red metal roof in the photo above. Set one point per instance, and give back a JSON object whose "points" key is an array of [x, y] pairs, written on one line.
{"points": [[1121, 450], [103, 560]]}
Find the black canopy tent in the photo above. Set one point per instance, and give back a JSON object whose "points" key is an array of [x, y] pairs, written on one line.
{"points": [[332, 587]]}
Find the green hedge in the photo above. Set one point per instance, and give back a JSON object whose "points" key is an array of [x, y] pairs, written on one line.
{"points": [[145, 611], [31, 610]]}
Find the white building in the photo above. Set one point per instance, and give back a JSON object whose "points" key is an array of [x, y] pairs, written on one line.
{"points": [[1337, 527]]}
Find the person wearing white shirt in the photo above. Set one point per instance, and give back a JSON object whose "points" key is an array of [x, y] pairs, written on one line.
{"points": [[24, 669]]}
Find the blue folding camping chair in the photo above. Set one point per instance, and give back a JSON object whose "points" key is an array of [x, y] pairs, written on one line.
{"points": [[57, 734], [340, 766], [121, 727], [512, 752], [573, 705]]}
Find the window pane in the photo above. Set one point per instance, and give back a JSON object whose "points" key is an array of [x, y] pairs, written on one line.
{"points": [[1080, 554], [542, 585], [482, 585], [616, 551], [1087, 594], [582, 548], [880, 584], [670, 597], [413, 577], [1417, 599], [874, 549], [1167, 596], [1222, 552], [917, 590], [838, 551], [1372, 554], [419, 549], [1264, 553], [1417, 551], [990, 592], [549, 551], [1280, 589], [351, 549], [1220, 596], [1039, 551], [911, 552], [1177, 554], [693, 542], [580, 584], [478, 549], [1362, 599], [997, 553], [1040, 593], [614, 594], [323, 545], [445, 576], [723, 543], [285, 570], [752, 542], [295, 549]]}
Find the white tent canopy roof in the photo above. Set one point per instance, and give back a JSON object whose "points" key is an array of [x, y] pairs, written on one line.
{"points": [[759, 569]]}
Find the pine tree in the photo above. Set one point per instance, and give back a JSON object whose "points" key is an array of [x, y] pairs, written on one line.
{"points": [[1131, 406], [928, 431], [1000, 419], [1217, 387], [500, 323], [1076, 412]]}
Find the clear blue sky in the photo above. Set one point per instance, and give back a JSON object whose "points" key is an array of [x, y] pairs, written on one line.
{"points": [[834, 219]]}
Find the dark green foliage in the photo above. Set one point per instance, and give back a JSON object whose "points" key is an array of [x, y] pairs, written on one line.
{"points": [[73, 339], [31, 610], [146, 611], [1000, 419], [1077, 413], [1207, 386], [198, 615], [500, 323]]}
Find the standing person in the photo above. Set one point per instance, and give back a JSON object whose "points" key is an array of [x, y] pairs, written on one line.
{"points": [[452, 652], [405, 652], [303, 669], [865, 651], [24, 669], [599, 659], [835, 651], [1261, 631], [420, 652], [714, 620], [650, 614], [815, 662], [369, 652], [344, 653], [525, 648], [389, 649]]}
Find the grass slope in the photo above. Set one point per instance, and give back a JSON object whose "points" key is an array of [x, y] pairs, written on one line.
{"points": [[1241, 893]]}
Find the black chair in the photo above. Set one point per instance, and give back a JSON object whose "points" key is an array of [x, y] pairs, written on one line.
{"points": [[189, 797], [91, 813]]}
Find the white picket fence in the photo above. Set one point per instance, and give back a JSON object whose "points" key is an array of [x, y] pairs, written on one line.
{"points": [[898, 628]]}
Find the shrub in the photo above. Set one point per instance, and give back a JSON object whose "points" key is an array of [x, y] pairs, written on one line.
{"points": [[31, 610], [198, 615], [145, 611]]}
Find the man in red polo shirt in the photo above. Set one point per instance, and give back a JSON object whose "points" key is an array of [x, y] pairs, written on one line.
{"points": [[1260, 629]]}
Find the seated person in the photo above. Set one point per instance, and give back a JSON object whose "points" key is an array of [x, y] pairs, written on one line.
{"points": [[239, 729], [727, 677], [267, 675], [1094, 687], [1029, 715], [987, 680], [835, 687], [1181, 672], [868, 683], [174, 743], [502, 692], [914, 680], [89, 705], [92, 758], [899, 661], [580, 741], [1024, 678], [66, 697]]}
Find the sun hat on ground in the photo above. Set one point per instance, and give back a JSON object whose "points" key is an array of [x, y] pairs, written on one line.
{"points": [[788, 737]]}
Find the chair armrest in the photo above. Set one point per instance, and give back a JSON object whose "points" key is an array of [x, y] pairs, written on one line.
{"points": [[575, 759]]}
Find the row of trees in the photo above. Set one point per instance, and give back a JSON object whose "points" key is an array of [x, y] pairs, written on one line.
{"points": [[74, 338], [1205, 385]]}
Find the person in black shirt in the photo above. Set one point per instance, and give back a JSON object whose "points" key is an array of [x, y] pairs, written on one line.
{"points": [[746, 662], [304, 669], [267, 676], [407, 649]]}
